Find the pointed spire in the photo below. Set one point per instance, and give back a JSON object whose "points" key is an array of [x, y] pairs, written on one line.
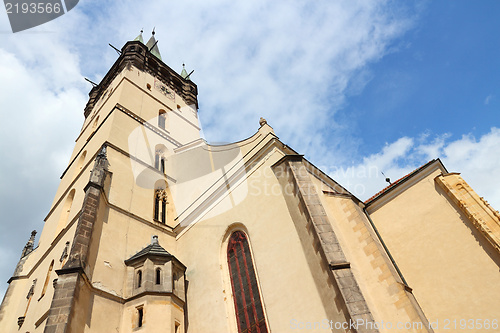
{"points": [[28, 248], [184, 73], [152, 46], [139, 38]]}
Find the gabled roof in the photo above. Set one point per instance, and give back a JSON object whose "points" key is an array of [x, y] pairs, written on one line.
{"points": [[400, 181], [153, 249]]}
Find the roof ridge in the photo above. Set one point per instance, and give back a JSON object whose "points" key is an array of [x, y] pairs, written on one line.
{"points": [[398, 181]]}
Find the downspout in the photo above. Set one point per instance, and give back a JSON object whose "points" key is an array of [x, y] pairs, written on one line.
{"points": [[387, 250]]}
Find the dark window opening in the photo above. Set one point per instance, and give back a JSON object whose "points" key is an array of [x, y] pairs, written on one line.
{"points": [[246, 295], [163, 211], [157, 161], [157, 208], [162, 165], [140, 315], [158, 276], [139, 279]]}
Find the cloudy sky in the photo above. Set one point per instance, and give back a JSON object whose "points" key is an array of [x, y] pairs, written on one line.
{"points": [[353, 85]]}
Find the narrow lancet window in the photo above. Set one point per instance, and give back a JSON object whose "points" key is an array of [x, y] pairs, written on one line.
{"points": [[162, 165], [140, 317], [162, 116], [47, 279], [158, 276], [139, 279], [246, 295]]}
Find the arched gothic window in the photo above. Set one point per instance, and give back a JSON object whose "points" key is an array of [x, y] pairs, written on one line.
{"points": [[159, 160], [160, 209], [139, 279], [158, 276], [162, 116], [47, 279], [66, 209], [247, 300]]}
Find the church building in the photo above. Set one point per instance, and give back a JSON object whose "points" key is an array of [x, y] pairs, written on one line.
{"points": [[152, 229]]}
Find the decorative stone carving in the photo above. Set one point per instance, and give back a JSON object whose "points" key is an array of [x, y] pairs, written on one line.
{"points": [[20, 321], [28, 248], [32, 290], [161, 194], [64, 254]]}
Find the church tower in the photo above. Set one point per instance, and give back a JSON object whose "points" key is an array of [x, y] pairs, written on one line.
{"points": [[139, 113]]}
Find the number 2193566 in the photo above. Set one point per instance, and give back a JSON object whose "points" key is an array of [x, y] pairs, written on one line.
{"points": [[33, 8], [470, 324]]}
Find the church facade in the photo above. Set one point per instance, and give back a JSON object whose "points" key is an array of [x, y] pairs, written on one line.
{"points": [[154, 230]]}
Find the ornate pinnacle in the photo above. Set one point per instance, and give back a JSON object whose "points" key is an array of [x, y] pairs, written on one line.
{"points": [[28, 248], [100, 167]]}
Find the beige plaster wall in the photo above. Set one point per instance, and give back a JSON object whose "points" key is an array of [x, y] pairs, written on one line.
{"points": [[452, 269], [293, 286]]}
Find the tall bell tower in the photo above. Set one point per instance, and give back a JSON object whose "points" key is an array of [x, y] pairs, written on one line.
{"points": [[107, 252]]}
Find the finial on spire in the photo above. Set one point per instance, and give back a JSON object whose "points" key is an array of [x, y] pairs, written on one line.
{"points": [[262, 121], [154, 239], [184, 73], [153, 31]]}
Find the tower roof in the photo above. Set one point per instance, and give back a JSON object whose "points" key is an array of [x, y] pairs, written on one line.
{"points": [[152, 45], [139, 38], [184, 73]]}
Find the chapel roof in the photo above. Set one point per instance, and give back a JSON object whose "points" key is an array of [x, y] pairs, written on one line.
{"points": [[400, 181], [153, 249]]}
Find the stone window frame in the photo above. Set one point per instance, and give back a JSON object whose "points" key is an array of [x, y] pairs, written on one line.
{"points": [[47, 279]]}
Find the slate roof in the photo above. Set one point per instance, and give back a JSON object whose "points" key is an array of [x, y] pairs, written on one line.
{"points": [[399, 181], [154, 249]]}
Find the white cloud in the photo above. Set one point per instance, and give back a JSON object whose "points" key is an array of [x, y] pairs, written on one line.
{"points": [[488, 99], [478, 160]]}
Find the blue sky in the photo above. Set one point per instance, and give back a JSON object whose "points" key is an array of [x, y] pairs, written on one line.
{"points": [[353, 85], [443, 78]]}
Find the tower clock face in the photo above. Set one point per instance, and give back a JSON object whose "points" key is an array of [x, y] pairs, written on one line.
{"points": [[164, 89]]}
